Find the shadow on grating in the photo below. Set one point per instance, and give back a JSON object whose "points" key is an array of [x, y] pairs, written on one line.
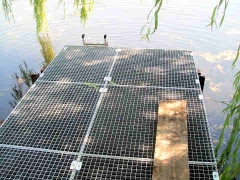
{"points": [[51, 116], [80, 64], [33, 165], [201, 172], [126, 122], [155, 67], [105, 168]]}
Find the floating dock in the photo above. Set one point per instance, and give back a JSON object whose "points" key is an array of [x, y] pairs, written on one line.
{"points": [[93, 114]]}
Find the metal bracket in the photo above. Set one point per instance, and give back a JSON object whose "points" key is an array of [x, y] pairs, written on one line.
{"points": [[200, 96], [33, 85], [197, 81], [95, 44], [215, 175], [75, 165], [103, 90], [118, 50], [41, 75], [65, 48], [107, 78]]}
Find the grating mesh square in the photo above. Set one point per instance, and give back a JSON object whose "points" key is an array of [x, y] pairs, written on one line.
{"points": [[80, 64], [155, 67], [201, 172], [31, 165], [126, 123], [105, 168], [51, 116]]}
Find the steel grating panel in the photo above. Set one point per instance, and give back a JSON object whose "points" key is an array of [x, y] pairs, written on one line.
{"points": [[51, 116], [201, 172], [155, 67], [118, 127], [125, 124], [80, 64], [31, 165], [105, 168]]}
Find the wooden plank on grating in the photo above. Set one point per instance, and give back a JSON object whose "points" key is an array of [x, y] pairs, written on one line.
{"points": [[171, 146]]}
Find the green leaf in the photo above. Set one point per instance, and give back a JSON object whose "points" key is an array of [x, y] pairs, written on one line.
{"points": [[222, 19], [220, 3], [91, 85], [213, 16], [236, 58]]}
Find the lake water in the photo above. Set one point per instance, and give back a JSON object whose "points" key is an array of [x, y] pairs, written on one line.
{"points": [[182, 25]]}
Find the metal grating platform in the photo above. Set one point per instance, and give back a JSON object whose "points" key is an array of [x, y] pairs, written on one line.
{"points": [[126, 123], [104, 168], [154, 67], [51, 116], [199, 172], [31, 165], [110, 131]]}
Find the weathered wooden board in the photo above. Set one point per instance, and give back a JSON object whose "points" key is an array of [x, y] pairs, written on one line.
{"points": [[171, 147]]}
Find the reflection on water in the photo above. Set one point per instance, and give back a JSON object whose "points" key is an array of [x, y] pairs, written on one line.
{"points": [[42, 31], [23, 83], [47, 48], [7, 8], [84, 6], [28, 76], [227, 55]]}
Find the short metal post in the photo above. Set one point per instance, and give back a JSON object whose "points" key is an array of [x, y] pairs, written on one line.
{"points": [[83, 35], [94, 44], [105, 40], [201, 79]]}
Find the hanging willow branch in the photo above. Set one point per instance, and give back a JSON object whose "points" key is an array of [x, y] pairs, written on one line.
{"points": [[215, 14], [147, 27], [228, 160]]}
